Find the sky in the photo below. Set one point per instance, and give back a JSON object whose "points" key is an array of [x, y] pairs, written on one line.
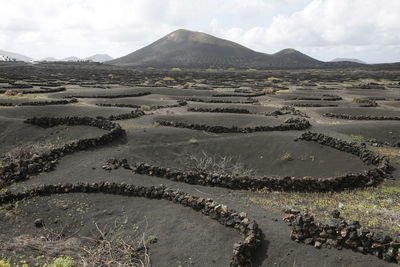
{"points": [[368, 30]]}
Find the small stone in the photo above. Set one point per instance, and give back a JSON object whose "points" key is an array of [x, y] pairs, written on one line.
{"points": [[308, 241], [242, 215], [317, 244], [39, 223], [224, 208], [336, 213]]}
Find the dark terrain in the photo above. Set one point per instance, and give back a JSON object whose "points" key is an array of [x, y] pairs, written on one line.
{"points": [[184, 48], [251, 126], [190, 49]]}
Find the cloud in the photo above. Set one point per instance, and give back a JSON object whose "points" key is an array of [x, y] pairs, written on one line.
{"points": [[60, 28], [339, 22], [357, 25]]}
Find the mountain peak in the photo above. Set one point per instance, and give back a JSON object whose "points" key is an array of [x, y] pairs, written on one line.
{"points": [[192, 49], [288, 51], [187, 36]]}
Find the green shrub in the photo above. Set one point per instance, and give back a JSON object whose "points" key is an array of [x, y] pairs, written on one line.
{"points": [[4, 263], [152, 239], [287, 157], [145, 107], [62, 262], [273, 79], [358, 138], [193, 141]]}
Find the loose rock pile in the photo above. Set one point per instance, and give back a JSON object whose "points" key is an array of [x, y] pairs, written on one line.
{"points": [[339, 234], [242, 251]]}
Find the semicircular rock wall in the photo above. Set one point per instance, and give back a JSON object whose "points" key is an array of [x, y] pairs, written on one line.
{"points": [[242, 251], [349, 180]]}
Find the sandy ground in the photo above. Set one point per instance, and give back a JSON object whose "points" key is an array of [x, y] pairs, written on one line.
{"points": [[185, 237]]}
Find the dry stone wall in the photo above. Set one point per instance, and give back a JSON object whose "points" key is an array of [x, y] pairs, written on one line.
{"points": [[242, 251]]}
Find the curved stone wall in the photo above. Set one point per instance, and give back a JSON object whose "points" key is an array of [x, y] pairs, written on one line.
{"points": [[340, 234], [289, 125], [239, 95], [367, 178], [200, 100], [242, 251], [41, 103], [23, 169], [109, 96], [359, 117], [220, 110]]}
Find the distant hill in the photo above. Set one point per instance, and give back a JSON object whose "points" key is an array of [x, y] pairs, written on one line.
{"points": [[99, 58], [49, 59], [291, 56], [348, 60], [17, 56], [183, 48], [71, 59]]}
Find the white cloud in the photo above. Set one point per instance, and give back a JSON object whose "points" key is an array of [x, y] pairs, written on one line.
{"points": [[339, 26], [61, 28]]}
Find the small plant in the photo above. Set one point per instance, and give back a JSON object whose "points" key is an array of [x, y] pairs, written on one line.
{"points": [[269, 91], [287, 157], [13, 93], [152, 239], [273, 79], [115, 248], [4, 263], [62, 262], [358, 138], [193, 141], [28, 151], [222, 165], [167, 78], [145, 107], [356, 100]]}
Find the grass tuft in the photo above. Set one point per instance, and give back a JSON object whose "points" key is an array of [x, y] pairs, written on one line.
{"points": [[375, 208], [286, 157]]}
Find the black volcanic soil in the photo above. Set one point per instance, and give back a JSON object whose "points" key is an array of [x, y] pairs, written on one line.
{"points": [[186, 237], [180, 232], [16, 133]]}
